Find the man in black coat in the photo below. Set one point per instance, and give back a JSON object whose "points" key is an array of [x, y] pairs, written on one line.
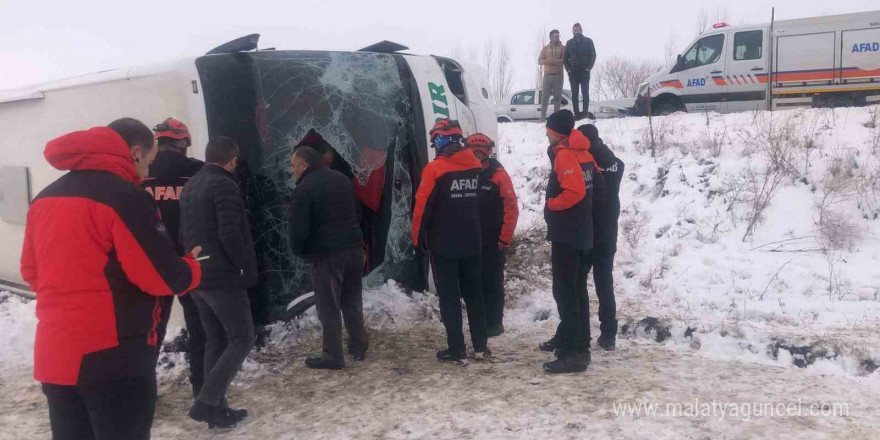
{"points": [[168, 174], [213, 215], [605, 216], [323, 228], [578, 59]]}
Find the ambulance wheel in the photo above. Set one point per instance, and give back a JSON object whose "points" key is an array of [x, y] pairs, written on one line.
{"points": [[664, 108]]}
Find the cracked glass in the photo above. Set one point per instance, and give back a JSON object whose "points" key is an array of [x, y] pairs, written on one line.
{"points": [[361, 105]]}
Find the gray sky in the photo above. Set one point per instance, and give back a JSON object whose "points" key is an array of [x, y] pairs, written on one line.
{"points": [[42, 40]]}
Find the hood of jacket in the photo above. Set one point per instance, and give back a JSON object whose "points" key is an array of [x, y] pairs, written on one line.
{"points": [[95, 149], [575, 141], [465, 158]]}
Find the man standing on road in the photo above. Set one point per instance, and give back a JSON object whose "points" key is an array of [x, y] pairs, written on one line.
{"points": [[213, 216], [605, 215], [323, 228], [100, 260], [568, 213], [446, 224], [168, 174], [552, 60], [498, 215], [579, 58]]}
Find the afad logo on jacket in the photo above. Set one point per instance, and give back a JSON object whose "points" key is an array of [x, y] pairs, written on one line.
{"points": [[459, 186], [588, 177], [165, 192]]}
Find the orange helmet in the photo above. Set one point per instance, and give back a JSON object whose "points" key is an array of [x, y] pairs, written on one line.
{"points": [[174, 129], [446, 127], [480, 142]]}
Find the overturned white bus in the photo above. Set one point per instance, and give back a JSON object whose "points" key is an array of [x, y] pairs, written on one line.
{"points": [[374, 106]]}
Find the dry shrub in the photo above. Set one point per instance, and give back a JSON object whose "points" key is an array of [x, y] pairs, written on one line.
{"points": [[716, 137], [834, 191], [528, 253], [868, 189], [634, 226], [873, 116], [658, 135]]}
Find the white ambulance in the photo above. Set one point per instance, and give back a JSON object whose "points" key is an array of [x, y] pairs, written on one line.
{"points": [[820, 62], [375, 106]]}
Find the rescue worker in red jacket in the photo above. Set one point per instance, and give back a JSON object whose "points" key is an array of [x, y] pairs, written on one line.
{"points": [[568, 213], [446, 223], [498, 215], [100, 260], [168, 174]]}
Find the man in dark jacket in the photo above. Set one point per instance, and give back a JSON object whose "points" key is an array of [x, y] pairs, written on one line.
{"points": [[568, 213], [328, 155], [323, 228], [446, 223], [213, 216], [605, 216], [168, 174], [579, 58], [498, 215], [100, 260]]}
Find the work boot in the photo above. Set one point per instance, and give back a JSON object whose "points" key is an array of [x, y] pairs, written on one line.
{"points": [[569, 362], [216, 416], [483, 355], [495, 330], [358, 353], [550, 345], [607, 342], [324, 362], [236, 415], [456, 356]]}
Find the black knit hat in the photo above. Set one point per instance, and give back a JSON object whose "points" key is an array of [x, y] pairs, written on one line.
{"points": [[590, 131], [561, 122]]}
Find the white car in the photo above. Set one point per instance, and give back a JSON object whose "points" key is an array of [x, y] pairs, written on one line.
{"points": [[525, 105]]}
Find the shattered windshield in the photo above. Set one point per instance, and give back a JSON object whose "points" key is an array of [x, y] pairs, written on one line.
{"points": [[358, 102]]}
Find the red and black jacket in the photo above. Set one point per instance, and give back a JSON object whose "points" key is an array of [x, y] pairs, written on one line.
{"points": [[446, 216], [573, 180], [498, 206], [99, 259]]}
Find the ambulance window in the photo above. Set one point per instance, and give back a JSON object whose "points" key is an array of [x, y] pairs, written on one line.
{"points": [[704, 52], [524, 98], [748, 45]]}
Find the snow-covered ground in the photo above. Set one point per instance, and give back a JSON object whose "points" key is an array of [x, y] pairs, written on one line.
{"points": [[735, 318]]}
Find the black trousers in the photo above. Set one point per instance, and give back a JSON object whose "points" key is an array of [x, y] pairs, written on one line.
{"points": [[118, 410], [337, 280], [570, 269], [458, 278], [580, 81], [602, 264], [493, 260], [196, 348], [229, 337]]}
